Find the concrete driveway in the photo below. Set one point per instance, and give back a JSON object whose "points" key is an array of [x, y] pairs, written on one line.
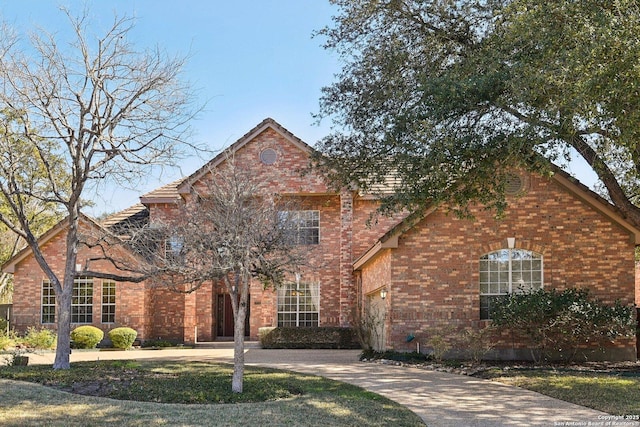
{"points": [[441, 399]]}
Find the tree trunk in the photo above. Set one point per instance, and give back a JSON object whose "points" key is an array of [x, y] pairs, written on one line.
{"points": [[64, 295], [63, 346], [621, 200], [238, 346]]}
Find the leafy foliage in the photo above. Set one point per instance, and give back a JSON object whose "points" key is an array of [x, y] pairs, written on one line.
{"points": [[553, 321], [158, 343], [86, 336], [122, 337], [437, 100], [407, 357], [318, 337], [40, 338]]}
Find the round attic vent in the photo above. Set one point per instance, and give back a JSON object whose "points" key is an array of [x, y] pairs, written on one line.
{"points": [[268, 156], [514, 184]]}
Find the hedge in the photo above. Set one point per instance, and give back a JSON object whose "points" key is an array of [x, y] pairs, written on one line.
{"points": [[308, 338]]}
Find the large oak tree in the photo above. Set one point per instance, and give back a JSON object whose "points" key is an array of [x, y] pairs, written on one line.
{"points": [[445, 96]]}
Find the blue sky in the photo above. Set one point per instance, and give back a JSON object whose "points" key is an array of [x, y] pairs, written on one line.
{"points": [[250, 59]]}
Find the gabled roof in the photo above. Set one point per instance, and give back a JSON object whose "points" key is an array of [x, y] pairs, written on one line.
{"points": [[121, 223], [268, 123], [112, 226], [165, 194], [390, 239], [10, 265], [132, 213]]}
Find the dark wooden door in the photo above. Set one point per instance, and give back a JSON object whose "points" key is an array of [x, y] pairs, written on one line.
{"points": [[225, 316]]}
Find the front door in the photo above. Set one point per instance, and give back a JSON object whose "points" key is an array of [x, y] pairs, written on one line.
{"points": [[225, 317]]}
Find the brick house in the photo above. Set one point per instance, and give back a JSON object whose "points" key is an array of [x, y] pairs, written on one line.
{"points": [[434, 271]]}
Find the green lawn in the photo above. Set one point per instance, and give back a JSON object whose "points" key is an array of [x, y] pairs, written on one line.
{"points": [[132, 393], [616, 393]]}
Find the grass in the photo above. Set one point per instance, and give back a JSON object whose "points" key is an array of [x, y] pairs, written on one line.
{"points": [[616, 393], [137, 393]]}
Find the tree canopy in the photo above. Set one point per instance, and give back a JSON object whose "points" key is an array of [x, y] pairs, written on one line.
{"points": [[447, 96], [229, 231]]}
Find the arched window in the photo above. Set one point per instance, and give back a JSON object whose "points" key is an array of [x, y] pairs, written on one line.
{"points": [[505, 271]]}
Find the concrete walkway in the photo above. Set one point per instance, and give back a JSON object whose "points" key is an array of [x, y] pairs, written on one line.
{"points": [[441, 399]]}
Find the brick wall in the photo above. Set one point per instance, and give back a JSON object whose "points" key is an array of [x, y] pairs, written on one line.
{"points": [[329, 262], [28, 278], [434, 271]]}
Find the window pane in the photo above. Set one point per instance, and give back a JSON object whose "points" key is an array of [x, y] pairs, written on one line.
{"points": [[298, 305], [302, 227], [48, 304], [108, 302], [505, 271], [82, 301], [504, 277]]}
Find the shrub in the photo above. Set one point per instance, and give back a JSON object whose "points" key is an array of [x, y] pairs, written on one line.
{"points": [[476, 343], [6, 342], [558, 323], [41, 339], [320, 337], [86, 336], [406, 357], [158, 343], [7, 339], [122, 337], [441, 341], [369, 325]]}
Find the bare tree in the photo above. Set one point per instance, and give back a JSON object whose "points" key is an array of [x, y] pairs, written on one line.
{"points": [[230, 231], [85, 111]]}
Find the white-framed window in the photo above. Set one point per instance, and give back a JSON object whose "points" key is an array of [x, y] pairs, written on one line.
{"points": [[505, 271], [173, 247], [108, 301], [48, 306], [82, 300], [303, 227], [299, 304]]}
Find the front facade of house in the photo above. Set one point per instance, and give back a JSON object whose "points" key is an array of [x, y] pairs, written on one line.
{"points": [[436, 272]]}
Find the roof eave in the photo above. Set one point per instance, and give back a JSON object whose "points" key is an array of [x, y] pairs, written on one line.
{"points": [[390, 243]]}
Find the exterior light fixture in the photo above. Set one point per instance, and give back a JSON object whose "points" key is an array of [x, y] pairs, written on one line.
{"points": [[383, 293], [511, 242]]}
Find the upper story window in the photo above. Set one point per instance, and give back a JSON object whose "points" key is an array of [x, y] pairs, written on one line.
{"points": [[303, 226], [506, 271], [173, 247]]}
